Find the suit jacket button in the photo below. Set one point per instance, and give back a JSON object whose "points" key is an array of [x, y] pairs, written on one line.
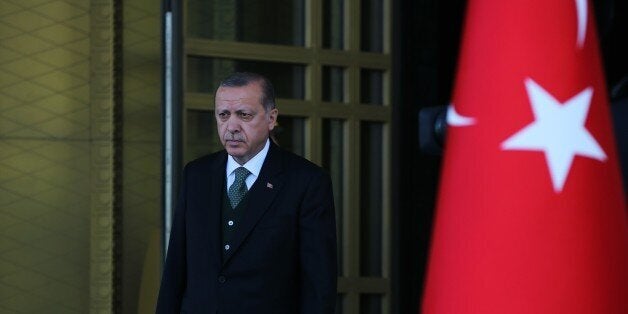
{"points": [[222, 279]]}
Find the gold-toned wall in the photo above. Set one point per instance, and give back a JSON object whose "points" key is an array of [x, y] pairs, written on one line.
{"points": [[56, 156], [141, 155]]}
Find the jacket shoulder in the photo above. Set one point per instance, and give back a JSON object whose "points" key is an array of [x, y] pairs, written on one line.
{"points": [[206, 160]]}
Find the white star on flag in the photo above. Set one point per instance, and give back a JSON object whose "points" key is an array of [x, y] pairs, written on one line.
{"points": [[558, 131]]}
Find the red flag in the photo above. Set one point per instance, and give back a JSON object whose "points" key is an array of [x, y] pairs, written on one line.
{"points": [[531, 215]]}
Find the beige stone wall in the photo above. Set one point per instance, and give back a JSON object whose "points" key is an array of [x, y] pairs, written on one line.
{"points": [[141, 155], [56, 156]]}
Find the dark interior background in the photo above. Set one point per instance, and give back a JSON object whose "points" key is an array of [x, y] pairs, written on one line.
{"points": [[426, 36]]}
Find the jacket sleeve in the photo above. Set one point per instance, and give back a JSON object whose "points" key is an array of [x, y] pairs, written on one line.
{"points": [[173, 280], [317, 236]]}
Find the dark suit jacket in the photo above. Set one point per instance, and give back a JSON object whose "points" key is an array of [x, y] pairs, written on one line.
{"points": [[283, 253]]}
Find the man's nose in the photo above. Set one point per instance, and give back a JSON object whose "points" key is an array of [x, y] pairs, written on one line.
{"points": [[232, 125]]}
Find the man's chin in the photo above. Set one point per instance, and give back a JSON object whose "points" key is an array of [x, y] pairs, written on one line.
{"points": [[236, 152]]}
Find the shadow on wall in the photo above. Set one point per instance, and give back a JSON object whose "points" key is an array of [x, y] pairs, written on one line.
{"points": [[151, 275]]}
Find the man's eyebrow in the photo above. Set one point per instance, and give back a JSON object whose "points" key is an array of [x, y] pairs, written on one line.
{"points": [[245, 111]]}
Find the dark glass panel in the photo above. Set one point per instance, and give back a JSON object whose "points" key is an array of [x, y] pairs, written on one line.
{"points": [[340, 301], [204, 74], [333, 87], [370, 304], [372, 26], [201, 134], [372, 87], [333, 162], [270, 21], [290, 134], [333, 24], [371, 199]]}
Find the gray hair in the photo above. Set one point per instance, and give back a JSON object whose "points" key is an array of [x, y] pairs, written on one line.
{"points": [[239, 79]]}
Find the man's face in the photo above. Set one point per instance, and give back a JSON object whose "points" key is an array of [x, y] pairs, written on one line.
{"points": [[243, 124]]}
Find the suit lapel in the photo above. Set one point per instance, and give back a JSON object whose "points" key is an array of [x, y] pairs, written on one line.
{"points": [[213, 182], [261, 195]]}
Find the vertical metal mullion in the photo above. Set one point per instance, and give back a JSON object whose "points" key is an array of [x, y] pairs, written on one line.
{"points": [[386, 162], [352, 14], [171, 111], [387, 23], [386, 215], [353, 213], [316, 23]]}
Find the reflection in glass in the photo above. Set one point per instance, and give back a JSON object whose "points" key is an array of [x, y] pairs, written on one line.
{"points": [[371, 199], [333, 84], [333, 24], [270, 21], [289, 133], [204, 74], [333, 162], [370, 303], [372, 26], [372, 87], [201, 135]]}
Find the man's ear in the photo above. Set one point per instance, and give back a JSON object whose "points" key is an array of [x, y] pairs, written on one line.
{"points": [[272, 118]]}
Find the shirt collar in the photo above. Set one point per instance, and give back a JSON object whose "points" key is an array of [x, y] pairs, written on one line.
{"points": [[254, 165]]}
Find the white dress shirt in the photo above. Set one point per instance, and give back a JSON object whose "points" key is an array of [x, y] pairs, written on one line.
{"points": [[254, 166]]}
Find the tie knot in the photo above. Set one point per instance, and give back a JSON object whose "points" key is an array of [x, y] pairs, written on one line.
{"points": [[241, 173], [238, 189]]}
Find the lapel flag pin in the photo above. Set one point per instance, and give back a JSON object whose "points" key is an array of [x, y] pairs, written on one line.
{"points": [[269, 185]]}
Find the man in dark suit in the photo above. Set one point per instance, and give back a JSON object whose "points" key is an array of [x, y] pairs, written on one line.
{"points": [[254, 230]]}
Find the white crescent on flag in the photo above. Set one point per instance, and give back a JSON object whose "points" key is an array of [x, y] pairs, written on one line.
{"points": [[455, 119], [581, 10]]}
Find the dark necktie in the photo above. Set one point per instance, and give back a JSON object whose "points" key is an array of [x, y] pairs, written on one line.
{"points": [[238, 189]]}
